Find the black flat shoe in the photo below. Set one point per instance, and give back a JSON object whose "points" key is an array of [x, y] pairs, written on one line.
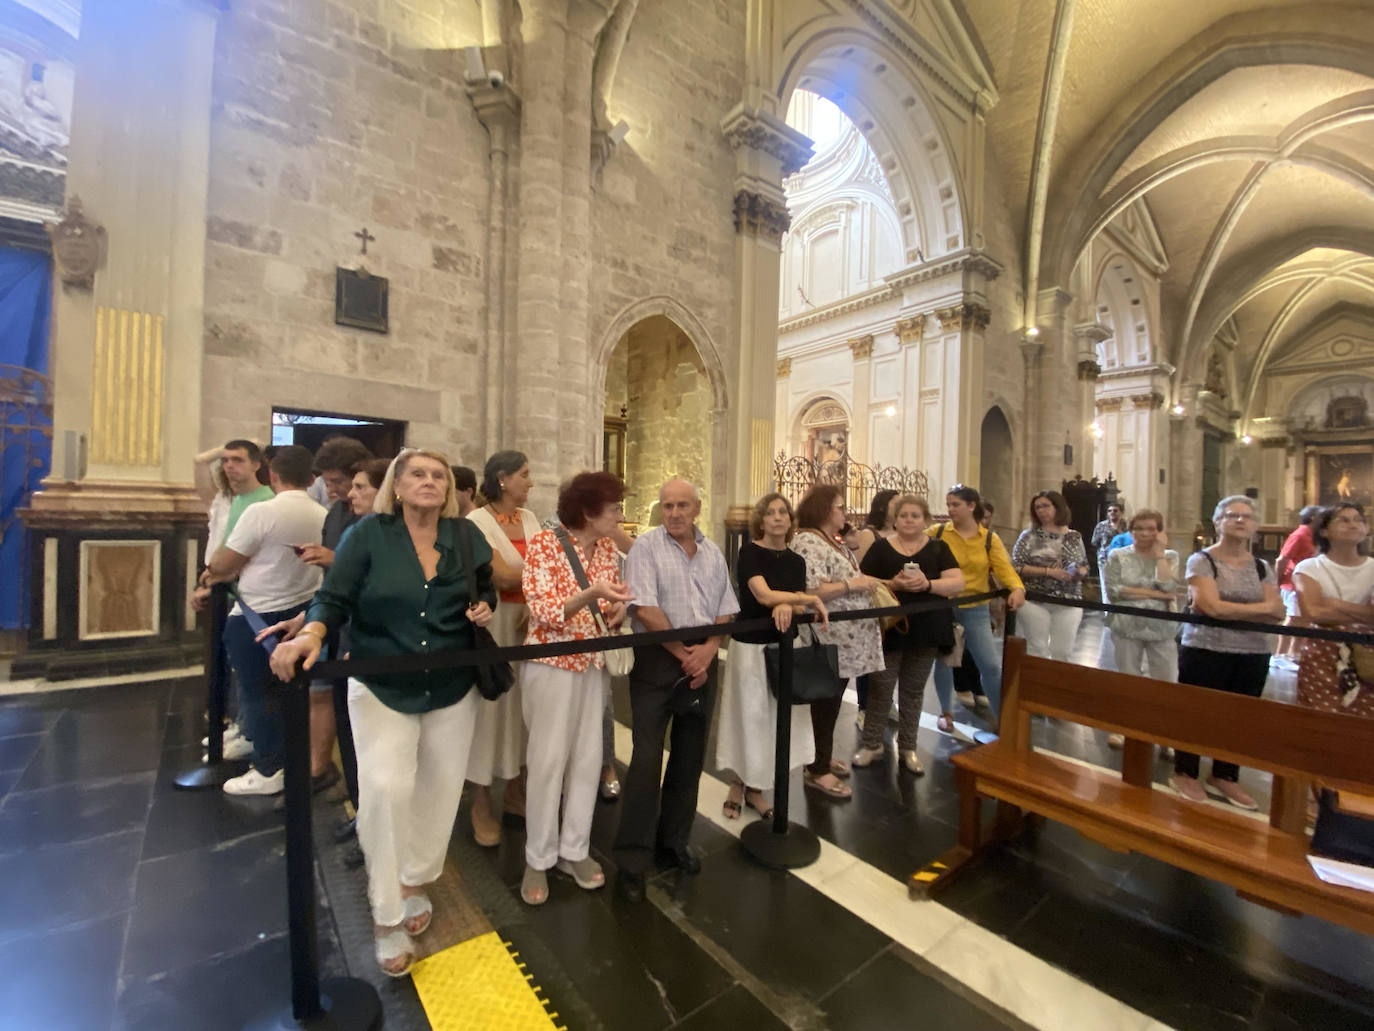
{"points": [[629, 886], [353, 858], [345, 830], [682, 859]]}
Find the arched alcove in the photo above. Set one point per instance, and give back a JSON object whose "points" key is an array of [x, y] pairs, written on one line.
{"points": [[995, 449]]}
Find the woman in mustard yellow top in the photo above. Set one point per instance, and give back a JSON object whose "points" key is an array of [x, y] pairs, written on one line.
{"points": [[976, 549]]}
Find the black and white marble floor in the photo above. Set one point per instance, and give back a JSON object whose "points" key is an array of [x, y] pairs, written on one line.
{"points": [[128, 905]]}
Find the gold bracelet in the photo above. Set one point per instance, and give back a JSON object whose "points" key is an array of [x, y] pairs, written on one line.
{"points": [[306, 631]]}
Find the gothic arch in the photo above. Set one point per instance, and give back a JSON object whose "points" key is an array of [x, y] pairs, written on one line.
{"points": [[882, 94], [1248, 39], [681, 317]]}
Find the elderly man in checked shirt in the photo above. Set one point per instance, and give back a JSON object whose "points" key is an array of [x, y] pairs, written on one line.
{"points": [[678, 579]]}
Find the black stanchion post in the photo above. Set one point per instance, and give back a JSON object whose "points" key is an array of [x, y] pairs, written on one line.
{"points": [[340, 1003], [215, 770], [783, 845]]}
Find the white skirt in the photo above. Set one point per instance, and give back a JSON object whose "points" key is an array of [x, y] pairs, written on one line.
{"points": [[498, 738], [746, 733]]}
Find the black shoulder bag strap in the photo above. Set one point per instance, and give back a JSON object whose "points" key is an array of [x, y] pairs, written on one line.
{"points": [[492, 682], [580, 575]]}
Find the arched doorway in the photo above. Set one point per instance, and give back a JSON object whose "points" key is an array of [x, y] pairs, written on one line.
{"points": [[995, 451], [660, 416]]}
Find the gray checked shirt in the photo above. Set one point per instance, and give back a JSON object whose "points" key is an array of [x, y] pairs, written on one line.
{"points": [[691, 591]]}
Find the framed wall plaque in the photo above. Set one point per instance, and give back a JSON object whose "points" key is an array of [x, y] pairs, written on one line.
{"points": [[360, 300]]}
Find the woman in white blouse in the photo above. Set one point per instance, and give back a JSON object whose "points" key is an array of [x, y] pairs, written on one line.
{"points": [[1334, 590]]}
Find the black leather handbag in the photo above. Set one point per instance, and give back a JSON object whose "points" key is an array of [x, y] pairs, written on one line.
{"points": [[815, 671], [1342, 833], [495, 679]]}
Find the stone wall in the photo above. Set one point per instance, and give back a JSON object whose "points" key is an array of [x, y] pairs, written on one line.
{"points": [[327, 117], [669, 401], [661, 216]]}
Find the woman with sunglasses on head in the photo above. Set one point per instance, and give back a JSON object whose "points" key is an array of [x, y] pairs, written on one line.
{"points": [[402, 580], [1226, 581], [1336, 591], [1051, 559], [978, 551]]}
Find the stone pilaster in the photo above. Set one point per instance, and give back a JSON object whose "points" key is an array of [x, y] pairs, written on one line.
{"points": [[862, 350], [766, 150], [1054, 399], [116, 541]]}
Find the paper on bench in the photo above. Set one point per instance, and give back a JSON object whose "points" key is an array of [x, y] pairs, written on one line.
{"points": [[1344, 875]]}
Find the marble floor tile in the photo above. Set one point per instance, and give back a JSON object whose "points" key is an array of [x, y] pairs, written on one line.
{"points": [[62, 979], [890, 992], [74, 812], [733, 1008], [47, 888], [197, 904]]}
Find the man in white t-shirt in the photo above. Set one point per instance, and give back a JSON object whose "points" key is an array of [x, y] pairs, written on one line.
{"points": [[261, 553]]}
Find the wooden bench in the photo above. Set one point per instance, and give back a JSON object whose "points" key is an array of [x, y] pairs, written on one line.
{"points": [[1265, 861]]}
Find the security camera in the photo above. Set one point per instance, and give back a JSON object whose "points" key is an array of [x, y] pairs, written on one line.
{"points": [[496, 78]]}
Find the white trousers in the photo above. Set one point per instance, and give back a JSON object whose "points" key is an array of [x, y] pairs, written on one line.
{"points": [[410, 778], [563, 715], [1049, 630], [1155, 659]]}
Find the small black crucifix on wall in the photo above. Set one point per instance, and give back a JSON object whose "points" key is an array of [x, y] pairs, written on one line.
{"points": [[360, 299]]}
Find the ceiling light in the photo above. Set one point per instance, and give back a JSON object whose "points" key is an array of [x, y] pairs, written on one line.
{"points": [[1032, 332], [890, 411], [1247, 439], [1177, 409]]}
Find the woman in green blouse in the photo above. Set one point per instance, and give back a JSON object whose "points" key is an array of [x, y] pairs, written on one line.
{"points": [[400, 579]]}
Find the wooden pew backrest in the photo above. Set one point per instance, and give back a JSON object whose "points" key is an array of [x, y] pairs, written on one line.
{"points": [[1289, 741]]}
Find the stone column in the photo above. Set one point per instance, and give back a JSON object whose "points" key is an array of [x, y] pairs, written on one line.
{"points": [[538, 290], [498, 108], [1185, 470], [862, 350], [766, 150], [1053, 397], [117, 532]]}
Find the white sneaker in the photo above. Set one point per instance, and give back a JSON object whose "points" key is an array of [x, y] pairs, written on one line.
{"points": [[231, 731], [254, 783], [234, 748]]}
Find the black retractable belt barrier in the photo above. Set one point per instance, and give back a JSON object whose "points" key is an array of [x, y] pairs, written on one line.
{"points": [[782, 844], [215, 770], [340, 1003]]}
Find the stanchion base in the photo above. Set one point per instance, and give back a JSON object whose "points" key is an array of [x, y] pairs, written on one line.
{"points": [[349, 1004], [798, 847], [984, 737], [209, 775]]}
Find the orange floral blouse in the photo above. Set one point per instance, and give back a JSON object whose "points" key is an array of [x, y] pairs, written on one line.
{"points": [[548, 582]]}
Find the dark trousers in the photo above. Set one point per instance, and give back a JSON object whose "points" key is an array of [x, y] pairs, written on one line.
{"points": [[1242, 673], [824, 715], [649, 817], [260, 712], [338, 644]]}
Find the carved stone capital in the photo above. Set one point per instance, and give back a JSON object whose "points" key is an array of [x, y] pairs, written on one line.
{"points": [[78, 245], [784, 368], [758, 130], [1275, 442], [861, 347], [756, 215], [910, 331], [968, 315], [1088, 370], [1154, 399], [1109, 404]]}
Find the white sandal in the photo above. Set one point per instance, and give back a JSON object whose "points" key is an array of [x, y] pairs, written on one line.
{"points": [[417, 906], [586, 872], [391, 947]]}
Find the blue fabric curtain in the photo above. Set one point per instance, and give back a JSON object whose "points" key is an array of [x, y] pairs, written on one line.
{"points": [[25, 407]]}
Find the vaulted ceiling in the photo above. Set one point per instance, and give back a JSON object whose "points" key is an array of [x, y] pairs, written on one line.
{"points": [[1247, 128]]}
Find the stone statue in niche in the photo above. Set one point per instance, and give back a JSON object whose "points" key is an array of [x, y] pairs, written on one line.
{"points": [[1216, 375], [77, 245]]}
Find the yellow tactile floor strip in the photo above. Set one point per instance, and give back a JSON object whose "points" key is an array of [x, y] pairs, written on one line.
{"points": [[480, 985]]}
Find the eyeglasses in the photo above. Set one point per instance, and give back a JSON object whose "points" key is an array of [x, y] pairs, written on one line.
{"points": [[1238, 516]]}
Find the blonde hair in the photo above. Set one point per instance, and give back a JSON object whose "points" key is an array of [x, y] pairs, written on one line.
{"points": [[901, 501], [386, 500]]}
